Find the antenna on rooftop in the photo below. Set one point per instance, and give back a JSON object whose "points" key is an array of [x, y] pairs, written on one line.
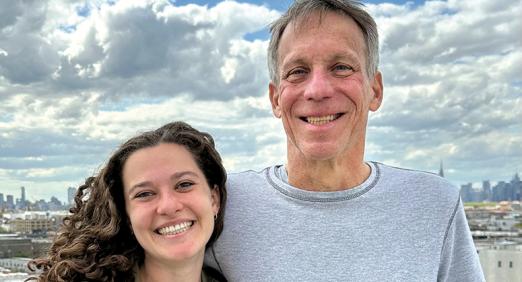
{"points": [[441, 169]]}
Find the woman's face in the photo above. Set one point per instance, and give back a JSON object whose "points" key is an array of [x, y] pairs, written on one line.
{"points": [[169, 203]]}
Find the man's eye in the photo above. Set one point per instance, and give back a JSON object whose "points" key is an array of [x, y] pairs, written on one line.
{"points": [[343, 67], [342, 70], [295, 74]]}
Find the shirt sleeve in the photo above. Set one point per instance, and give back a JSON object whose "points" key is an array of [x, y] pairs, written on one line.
{"points": [[459, 257]]}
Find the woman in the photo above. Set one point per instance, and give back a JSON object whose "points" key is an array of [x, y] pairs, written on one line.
{"points": [[148, 215]]}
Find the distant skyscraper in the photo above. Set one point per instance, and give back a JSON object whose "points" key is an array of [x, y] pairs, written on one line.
{"points": [[466, 192], [71, 192], [516, 186], [23, 194], [10, 201], [441, 170], [486, 190], [1, 199], [501, 192]]}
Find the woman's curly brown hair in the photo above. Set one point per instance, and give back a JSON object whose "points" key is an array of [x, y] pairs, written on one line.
{"points": [[95, 242]]}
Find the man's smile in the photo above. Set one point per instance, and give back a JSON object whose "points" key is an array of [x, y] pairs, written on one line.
{"points": [[320, 120]]}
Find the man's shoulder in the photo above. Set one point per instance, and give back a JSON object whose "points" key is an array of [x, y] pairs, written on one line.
{"points": [[248, 176], [246, 186], [418, 180], [247, 173], [407, 174]]}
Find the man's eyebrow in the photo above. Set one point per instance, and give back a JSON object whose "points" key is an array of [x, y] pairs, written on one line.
{"points": [[347, 55], [293, 60], [296, 59]]}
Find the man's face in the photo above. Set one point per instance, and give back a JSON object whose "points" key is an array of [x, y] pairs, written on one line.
{"points": [[324, 94]]}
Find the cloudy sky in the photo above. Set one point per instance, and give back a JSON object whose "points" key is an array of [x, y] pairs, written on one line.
{"points": [[79, 77]]}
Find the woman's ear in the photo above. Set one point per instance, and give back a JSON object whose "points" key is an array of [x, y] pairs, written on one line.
{"points": [[215, 198]]}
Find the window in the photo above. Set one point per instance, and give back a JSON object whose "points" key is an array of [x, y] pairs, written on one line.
{"points": [[510, 264], [499, 264]]}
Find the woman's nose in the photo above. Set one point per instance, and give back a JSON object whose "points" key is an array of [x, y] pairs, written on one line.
{"points": [[169, 203]]}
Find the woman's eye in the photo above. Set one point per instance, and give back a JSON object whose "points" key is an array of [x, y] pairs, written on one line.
{"points": [[144, 194], [184, 186]]}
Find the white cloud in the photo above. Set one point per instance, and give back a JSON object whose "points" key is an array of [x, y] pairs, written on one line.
{"points": [[77, 78], [153, 48], [452, 87]]}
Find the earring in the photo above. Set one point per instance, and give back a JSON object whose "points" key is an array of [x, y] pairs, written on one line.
{"points": [[215, 216]]}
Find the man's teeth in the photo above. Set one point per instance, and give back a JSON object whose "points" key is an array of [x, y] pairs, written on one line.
{"points": [[178, 228], [321, 120]]}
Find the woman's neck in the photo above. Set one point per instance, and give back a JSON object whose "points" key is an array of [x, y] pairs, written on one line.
{"points": [[156, 270]]}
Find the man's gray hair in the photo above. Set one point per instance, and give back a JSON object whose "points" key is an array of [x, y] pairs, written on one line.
{"points": [[300, 9]]}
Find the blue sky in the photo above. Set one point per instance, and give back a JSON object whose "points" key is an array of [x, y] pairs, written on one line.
{"points": [[79, 77]]}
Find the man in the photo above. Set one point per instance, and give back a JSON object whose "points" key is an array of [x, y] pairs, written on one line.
{"points": [[327, 215]]}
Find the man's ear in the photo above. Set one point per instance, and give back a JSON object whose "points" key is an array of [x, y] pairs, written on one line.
{"points": [[377, 91], [215, 199], [273, 93]]}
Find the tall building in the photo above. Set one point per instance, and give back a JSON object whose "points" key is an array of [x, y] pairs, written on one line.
{"points": [[516, 178], [466, 192], [516, 184], [71, 192], [441, 170], [23, 202], [9, 202], [501, 192], [23, 194], [1, 199], [486, 190]]}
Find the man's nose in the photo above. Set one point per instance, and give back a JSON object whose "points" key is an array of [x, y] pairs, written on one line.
{"points": [[319, 86], [169, 203]]}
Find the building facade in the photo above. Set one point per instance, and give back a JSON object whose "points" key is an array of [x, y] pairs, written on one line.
{"points": [[501, 262]]}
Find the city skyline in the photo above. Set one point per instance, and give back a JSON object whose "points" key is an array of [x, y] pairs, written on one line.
{"points": [[65, 196], [77, 78]]}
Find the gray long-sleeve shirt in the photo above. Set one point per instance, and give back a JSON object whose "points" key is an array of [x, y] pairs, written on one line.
{"points": [[399, 225]]}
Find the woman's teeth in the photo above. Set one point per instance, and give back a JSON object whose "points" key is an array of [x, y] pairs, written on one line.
{"points": [[178, 228]]}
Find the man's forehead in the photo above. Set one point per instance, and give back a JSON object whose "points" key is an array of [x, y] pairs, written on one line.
{"points": [[315, 19], [321, 23]]}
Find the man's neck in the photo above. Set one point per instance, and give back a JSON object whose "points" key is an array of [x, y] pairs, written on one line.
{"points": [[326, 175]]}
